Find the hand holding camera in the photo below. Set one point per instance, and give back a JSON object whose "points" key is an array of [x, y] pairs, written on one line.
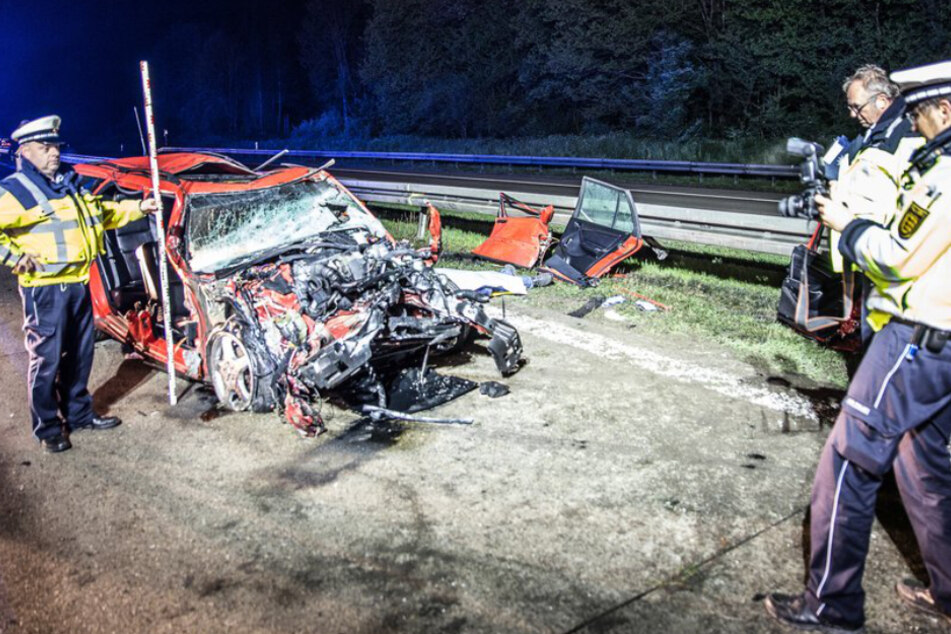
{"points": [[832, 213], [812, 174]]}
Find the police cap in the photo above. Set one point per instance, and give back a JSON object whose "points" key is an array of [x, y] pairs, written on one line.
{"points": [[924, 82], [43, 130]]}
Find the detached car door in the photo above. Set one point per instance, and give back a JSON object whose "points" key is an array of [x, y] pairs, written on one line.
{"points": [[603, 230]]}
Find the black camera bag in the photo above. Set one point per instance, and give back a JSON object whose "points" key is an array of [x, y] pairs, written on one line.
{"points": [[818, 302]]}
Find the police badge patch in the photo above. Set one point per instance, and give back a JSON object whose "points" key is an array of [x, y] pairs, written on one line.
{"points": [[911, 220]]}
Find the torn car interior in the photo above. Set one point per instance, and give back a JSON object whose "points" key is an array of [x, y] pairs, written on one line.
{"points": [[603, 231]]}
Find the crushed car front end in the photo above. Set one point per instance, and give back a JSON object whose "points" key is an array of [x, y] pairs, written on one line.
{"points": [[314, 297]]}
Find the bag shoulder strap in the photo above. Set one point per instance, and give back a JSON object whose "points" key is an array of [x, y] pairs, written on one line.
{"points": [[816, 239]]}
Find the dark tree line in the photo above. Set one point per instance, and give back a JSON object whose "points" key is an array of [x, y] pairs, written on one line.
{"points": [[466, 68], [235, 73]]}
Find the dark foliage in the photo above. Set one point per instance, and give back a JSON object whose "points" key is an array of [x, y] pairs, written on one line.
{"points": [[332, 69], [664, 69], [231, 78]]}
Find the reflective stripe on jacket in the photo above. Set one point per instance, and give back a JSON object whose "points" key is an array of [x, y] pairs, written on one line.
{"points": [[64, 229]]}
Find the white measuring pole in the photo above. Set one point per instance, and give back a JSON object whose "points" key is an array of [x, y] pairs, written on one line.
{"points": [[160, 225]]}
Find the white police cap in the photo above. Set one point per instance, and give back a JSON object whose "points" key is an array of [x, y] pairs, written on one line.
{"points": [[43, 130], [924, 82]]}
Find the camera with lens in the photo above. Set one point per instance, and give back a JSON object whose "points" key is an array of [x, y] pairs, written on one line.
{"points": [[812, 173]]}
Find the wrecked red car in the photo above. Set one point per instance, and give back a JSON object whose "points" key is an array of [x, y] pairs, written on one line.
{"points": [[284, 287]]}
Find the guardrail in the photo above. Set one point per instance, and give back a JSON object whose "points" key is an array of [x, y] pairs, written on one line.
{"points": [[637, 165], [764, 233], [6, 155]]}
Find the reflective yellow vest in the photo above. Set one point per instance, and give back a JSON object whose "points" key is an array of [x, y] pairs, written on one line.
{"points": [[65, 232], [909, 261], [869, 185]]}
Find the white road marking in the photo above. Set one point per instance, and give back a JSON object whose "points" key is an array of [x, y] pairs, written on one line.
{"points": [[661, 365]]}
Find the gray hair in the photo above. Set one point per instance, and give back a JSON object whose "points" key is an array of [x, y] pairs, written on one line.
{"points": [[874, 79]]}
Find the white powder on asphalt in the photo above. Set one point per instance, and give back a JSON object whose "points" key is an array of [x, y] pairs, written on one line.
{"points": [[661, 365]]}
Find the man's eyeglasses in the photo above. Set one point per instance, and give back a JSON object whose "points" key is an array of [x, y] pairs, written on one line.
{"points": [[857, 109]]}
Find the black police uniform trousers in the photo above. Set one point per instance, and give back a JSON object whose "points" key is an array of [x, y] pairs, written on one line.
{"points": [[896, 415], [59, 337]]}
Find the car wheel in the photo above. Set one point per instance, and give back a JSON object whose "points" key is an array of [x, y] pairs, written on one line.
{"points": [[457, 344], [231, 370]]}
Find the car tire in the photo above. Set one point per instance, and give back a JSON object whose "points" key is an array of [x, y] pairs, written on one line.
{"points": [[455, 345], [235, 373]]}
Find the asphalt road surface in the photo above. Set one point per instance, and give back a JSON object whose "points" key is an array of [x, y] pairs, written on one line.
{"points": [[747, 202], [624, 485]]}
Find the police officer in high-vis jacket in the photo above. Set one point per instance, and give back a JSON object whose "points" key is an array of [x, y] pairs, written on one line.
{"points": [[869, 175], [897, 412], [51, 230]]}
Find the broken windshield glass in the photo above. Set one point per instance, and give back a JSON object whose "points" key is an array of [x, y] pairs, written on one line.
{"points": [[225, 228]]}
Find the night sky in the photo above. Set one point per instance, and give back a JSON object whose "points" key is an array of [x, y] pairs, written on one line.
{"points": [[347, 73], [80, 60]]}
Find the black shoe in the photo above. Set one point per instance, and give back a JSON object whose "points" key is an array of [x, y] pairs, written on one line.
{"points": [[56, 444], [919, 597], [793, 610], [100, 422]]}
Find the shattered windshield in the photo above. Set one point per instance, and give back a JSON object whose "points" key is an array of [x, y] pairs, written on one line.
{"points": [[226, 228]]}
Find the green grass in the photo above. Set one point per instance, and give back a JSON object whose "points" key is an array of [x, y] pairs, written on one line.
{"points": [[738, 314], [715, 294], [400, 221]]}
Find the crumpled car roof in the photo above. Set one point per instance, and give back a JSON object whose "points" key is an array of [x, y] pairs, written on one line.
{"points": [[186, 162], [134, 172]]}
